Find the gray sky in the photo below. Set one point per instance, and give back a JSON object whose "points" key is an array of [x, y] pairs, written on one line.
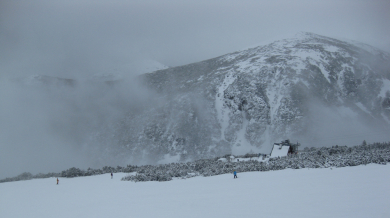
{"points": [[78, 38]]}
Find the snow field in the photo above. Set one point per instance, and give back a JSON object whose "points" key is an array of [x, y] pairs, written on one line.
{"points": [[360, 191]]}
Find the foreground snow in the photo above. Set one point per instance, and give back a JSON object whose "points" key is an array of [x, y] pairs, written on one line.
{"points": [[361, 191]]}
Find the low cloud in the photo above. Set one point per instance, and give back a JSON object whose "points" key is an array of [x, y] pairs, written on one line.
{"points": [[44, 126]]}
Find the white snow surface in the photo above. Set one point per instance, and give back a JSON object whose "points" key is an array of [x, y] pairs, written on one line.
{"points": [[242, 145], [169, 159], [279, 151], [362, 107], [385, 88], [360, 191], [222, 111]]}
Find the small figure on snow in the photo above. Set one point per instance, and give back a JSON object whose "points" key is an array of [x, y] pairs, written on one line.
{"points": [[57, 181], [235, 174], [111, 175]]}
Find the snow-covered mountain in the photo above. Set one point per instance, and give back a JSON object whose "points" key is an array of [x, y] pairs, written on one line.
{"points": [[310, 88], [313, 89]]}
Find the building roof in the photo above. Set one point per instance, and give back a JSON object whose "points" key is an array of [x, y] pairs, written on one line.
{"points": [[279, 150]]}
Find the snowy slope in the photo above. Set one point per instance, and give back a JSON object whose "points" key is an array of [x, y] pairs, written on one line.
{"points": [[360, 191], [313, 89]]}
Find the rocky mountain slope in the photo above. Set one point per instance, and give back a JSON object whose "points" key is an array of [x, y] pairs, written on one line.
{"points": [[309, 88]]}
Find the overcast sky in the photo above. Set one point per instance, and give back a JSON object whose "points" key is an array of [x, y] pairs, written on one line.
{"points": [[83, 37]]}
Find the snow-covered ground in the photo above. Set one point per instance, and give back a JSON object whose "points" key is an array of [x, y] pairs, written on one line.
{"points": [[361, 191]]}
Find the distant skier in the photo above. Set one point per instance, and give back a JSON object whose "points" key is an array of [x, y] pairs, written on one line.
{"points": [[111, 175], [235, 174], [57, 181]]}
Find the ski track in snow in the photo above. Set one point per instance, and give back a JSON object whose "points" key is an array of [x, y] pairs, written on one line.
{"points": [[169, 159], [357, 192], [241, 145], [385, 88], [363, 108], [313, 57], [274, 98], [222, 111], [385, 118], [273, 94]]}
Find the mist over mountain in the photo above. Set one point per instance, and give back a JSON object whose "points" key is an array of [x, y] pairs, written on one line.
{"points": [[45, 121], [313, 89]]}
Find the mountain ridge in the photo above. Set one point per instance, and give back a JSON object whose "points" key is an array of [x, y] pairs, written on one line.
{"points": [[313, 89], [262, 94]]}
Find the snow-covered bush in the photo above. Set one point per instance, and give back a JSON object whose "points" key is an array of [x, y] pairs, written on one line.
{"points": [[335, 156], [73, 172], [23, 176]]}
